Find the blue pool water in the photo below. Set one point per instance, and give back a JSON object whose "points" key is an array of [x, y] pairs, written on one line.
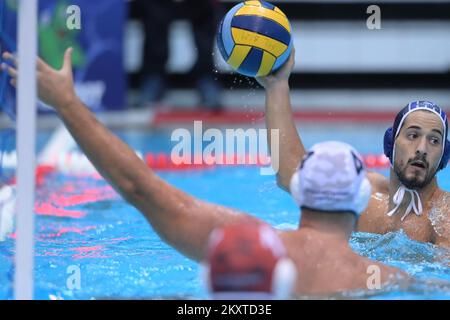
{"points": [[119, 255]]}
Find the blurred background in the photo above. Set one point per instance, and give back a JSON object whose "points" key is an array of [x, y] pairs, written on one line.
{"points": [[340, 63], [148, 57], [147, 67]]}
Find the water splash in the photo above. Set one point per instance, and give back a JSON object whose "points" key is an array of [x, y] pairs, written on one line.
{"points": [[439, 215]]}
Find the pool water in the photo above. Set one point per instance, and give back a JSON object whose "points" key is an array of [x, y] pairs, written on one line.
{"points": [[84, 228]]}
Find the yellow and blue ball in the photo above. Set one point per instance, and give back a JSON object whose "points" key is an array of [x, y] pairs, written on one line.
{"points": [[254, 38]]}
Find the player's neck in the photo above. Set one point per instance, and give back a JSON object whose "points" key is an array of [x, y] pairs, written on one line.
{"points": [[333, 225]]}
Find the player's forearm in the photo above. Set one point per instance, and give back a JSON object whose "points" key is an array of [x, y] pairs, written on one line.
{"points": [[279, 116]]}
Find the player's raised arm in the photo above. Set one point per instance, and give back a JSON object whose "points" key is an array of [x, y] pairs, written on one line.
{"points": [[279, 117]]}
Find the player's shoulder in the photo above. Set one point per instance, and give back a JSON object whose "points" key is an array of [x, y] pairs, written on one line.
{"points": [[441, 198], [379, 182]]}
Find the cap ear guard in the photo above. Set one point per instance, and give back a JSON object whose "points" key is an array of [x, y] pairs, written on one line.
{"points": [[388, 143], [294, 188], [362, 198], [445, 156], [205, 277], [284, 279]]}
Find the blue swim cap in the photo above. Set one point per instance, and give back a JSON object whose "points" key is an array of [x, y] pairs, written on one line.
{"points": [[392, 133]]}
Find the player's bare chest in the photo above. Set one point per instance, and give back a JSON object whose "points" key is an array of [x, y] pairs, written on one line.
{"points": [[417, 227]]}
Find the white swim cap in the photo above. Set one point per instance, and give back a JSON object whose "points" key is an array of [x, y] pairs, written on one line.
{"points": [[331, 178]]}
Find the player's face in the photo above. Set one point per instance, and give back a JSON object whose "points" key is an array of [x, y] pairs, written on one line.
{"points": [[418, 149]]}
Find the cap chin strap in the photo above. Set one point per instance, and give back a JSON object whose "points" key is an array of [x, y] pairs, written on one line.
{"points": [[398, 199], [284, 279]]}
